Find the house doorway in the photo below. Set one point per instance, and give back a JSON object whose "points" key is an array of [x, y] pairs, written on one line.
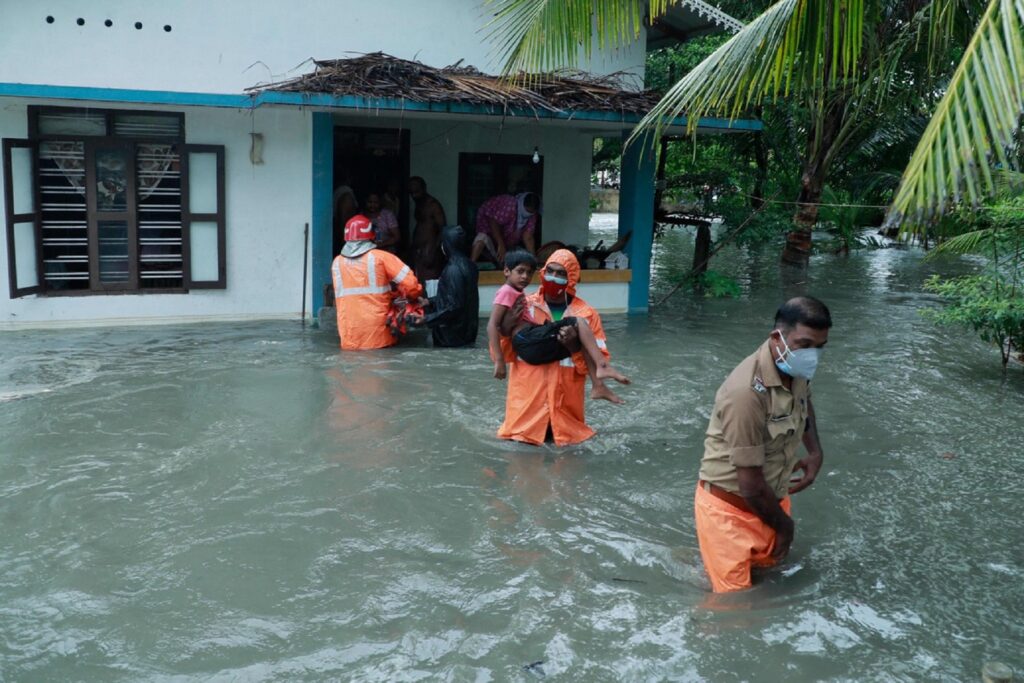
{"points": [[481, 176], [370, 160]]}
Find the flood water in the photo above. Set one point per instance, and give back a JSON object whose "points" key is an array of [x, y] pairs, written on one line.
{"points": [[247, 503]]}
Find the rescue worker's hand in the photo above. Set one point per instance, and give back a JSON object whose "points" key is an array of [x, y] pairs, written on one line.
{"points": [[569, 337], [499, 369], [518, 307], [783, 539], [810, 467], [414, 319]]}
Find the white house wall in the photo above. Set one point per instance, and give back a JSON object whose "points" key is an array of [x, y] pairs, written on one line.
{"points": [[266, 207], [224, 46]]}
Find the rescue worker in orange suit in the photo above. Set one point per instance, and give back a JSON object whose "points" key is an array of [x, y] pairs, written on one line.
{"points": [[751, 466], [367, 281], [549, 398]]}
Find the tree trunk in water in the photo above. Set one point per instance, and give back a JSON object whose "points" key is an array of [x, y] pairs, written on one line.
{"points": [[701, 250], [798, 242]]}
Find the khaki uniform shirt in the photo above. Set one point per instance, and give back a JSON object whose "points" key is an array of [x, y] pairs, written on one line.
{"points": [[756, 422]]}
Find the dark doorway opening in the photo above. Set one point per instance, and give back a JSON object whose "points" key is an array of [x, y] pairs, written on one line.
{"points": [[482, 176], [370, 160]]}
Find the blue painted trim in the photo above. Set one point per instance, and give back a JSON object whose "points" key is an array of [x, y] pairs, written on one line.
{"points": [[66, 92], [197, 99], [322, 234], [636, 213]]}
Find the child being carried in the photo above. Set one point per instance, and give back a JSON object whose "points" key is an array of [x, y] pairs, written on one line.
{"points": [[539, 344]]}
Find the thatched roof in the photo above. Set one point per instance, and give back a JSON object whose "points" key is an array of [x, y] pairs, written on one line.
{"points": [[382, 76]]}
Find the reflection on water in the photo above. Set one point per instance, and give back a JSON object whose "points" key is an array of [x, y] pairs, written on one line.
{"points": [[245, 502]]}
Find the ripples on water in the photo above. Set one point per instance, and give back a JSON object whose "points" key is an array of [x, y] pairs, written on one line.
{"points": [[244, 502]]}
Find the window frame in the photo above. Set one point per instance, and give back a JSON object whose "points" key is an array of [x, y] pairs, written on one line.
{"points": [[12, 219], [187, 218], [131, 144]]}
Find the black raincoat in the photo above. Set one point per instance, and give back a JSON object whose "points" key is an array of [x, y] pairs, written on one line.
{"points": [[454, 314]]}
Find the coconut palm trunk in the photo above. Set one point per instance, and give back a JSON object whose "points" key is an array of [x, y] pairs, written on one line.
{"points": [[822, 141]]}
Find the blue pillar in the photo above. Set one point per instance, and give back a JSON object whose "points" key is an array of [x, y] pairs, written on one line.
{"points": [[636, 213], [321, 237]]}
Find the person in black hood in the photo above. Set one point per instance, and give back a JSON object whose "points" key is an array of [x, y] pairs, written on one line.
{"points": [[453, 314]]}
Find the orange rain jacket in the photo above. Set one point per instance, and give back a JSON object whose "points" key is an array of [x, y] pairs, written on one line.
{"points": [[550, 395], [363, 296]]}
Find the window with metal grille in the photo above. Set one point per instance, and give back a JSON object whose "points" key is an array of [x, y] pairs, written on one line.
{"points": [[102, 201]]}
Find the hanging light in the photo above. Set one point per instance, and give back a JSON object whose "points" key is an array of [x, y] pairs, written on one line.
{"points": [[536, 155]]}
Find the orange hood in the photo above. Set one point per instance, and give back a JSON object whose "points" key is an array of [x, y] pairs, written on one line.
{"points": [[564, 258]]}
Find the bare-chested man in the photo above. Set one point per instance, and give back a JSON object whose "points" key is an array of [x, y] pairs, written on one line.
{"points": [[426, 238]]}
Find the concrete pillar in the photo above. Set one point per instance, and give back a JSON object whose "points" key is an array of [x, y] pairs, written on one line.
{"points": [[636, 213], [322, 214]]}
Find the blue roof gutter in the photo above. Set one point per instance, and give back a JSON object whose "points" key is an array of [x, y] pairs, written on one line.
{"points": [[243, 101]]}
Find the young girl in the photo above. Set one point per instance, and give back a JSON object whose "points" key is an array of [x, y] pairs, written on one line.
{"points": [[538, 344]]}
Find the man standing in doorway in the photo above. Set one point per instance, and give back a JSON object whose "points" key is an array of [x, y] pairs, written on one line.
{"points": [[426, 237], [762, 413]]}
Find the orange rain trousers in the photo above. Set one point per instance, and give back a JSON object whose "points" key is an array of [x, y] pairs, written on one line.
{"points": [[732, 541], [552, 395]]}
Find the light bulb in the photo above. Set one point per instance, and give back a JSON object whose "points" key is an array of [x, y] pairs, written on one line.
{"points": [[536, 155]]}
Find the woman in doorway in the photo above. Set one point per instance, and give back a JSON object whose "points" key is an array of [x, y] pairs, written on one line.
{"points": [[385, 223], [505, 222]]}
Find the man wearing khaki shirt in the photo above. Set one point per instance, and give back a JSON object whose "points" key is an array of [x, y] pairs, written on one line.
{"points": [[762, 413]]}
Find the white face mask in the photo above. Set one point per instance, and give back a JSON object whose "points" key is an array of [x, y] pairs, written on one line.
{"points": [[800, 363]]}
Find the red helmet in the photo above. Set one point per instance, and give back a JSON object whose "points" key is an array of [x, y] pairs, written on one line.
{"points": [[358, 229]]}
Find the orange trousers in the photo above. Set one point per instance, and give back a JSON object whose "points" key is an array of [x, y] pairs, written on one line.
{"points": [[732, 541]]}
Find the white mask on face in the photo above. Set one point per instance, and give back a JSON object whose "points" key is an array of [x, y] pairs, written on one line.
{"points": [[800, 363]]}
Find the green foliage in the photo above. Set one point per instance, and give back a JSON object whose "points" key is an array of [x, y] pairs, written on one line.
{"points": [[717, 285], [992, 302], [848, 69], [989, 305], [607, 155], [975, 123], [711, 284], [665, 66], [996, 232], [845, 215], [532, 36]]}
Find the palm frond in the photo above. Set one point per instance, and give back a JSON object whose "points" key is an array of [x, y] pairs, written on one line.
{"points": [[967, 243], [534, 36], [1008, 183], [973, 126], [802, 45]]}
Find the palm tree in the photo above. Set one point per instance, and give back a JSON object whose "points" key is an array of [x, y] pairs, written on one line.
{"points": [[848, 61]]}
